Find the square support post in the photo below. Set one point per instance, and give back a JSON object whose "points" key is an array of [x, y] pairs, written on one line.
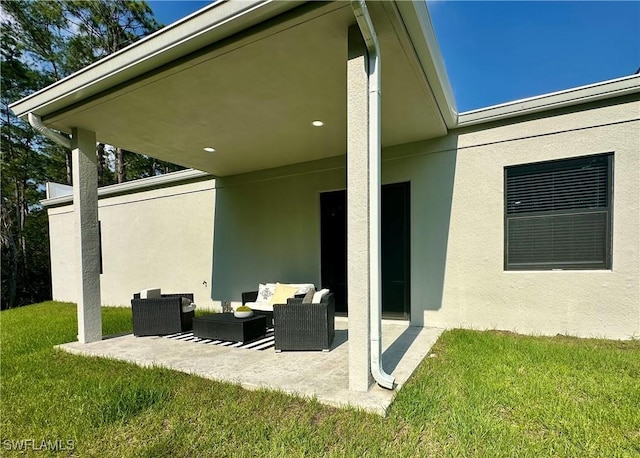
{"points": [[358, 217], [85, 206]]}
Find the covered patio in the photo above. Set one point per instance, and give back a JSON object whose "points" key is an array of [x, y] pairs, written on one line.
{"points": [[323, 376], [250, 87]]}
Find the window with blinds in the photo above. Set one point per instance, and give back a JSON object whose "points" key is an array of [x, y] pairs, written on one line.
{"points": [[558, 214]]}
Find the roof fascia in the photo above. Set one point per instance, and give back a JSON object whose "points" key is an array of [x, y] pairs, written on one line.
{"points": [[136, 186], [574, 96], [419, 27], [208, 25]]}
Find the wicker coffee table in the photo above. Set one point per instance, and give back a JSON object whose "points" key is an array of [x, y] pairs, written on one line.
{"points": [[225, 326]]}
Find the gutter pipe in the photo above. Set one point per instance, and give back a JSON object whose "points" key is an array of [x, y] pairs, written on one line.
{"points": [[36, 123], [373, 70]]}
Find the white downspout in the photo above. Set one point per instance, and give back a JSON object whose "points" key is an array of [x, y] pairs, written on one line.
{"points": [[373, 70], [36, 123]]}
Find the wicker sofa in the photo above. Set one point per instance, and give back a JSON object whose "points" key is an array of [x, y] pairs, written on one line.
{"points": [[300, 326], [262, 306], [161, 315]]}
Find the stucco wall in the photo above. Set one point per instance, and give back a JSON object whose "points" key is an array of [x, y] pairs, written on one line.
{"points": [[267, 228], [64, 268], [155, 238], [468, 258]]}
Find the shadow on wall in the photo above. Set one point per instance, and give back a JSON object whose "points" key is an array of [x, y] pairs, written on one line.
{"points": [[268, 230], [430, 166]]}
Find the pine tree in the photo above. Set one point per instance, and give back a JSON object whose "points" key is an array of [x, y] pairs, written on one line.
{"points": [[42, 42], [22, 171]]}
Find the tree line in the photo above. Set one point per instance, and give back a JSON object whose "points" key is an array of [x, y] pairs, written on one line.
{"points": [[42, 42]]}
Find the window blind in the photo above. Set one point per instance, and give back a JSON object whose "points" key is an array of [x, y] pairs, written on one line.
{"points": [[558, 214]]}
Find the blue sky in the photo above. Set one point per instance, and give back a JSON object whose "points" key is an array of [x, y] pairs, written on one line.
{"points": [[168, 11], [501, 51], [497, 52]]}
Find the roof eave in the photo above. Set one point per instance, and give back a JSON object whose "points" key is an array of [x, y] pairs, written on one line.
{"points": [[417, 22], [142, 184], [206, 26], [212, 24], [569, 97]]}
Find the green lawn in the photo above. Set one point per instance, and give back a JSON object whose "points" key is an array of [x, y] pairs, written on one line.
{"points": [[481, 394]]}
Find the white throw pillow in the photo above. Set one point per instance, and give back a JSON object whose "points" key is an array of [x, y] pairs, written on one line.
{"points": [[265, 291], [317, 297]]}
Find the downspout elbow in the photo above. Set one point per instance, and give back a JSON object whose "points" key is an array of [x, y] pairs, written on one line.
{"points": [[36, 123]]}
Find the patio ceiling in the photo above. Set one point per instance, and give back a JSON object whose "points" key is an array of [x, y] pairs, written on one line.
{"points": [[253, 95]]}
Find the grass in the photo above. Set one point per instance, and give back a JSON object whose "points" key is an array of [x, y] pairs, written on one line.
{"points": [[480, 394]]}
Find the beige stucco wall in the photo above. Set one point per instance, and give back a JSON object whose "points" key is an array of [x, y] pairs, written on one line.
{"points": [[64, 268], [465, 262], [155, 238], [267, 228]]}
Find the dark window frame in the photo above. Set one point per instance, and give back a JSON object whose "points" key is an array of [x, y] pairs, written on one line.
{"points": [[100, 245], [572, 163]]}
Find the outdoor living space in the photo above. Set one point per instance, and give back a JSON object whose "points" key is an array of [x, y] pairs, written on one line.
{"points": [[296, 161], [258, 129], [314, 374]]}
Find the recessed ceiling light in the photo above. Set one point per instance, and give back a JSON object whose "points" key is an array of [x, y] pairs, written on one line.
{"points": [[208, 149], [317, 123]]}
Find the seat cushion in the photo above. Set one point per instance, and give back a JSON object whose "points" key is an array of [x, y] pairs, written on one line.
{"points": [[260, 305], [303, 288]]}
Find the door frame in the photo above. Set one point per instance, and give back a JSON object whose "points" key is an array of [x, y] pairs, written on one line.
{"points": [[407, 309]]}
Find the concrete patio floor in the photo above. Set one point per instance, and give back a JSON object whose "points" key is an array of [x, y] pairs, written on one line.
{"points": [[320, 375]]}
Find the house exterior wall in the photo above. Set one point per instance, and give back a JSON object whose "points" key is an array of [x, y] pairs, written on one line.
{"points": [[154, 238], [64, 268], [267, 228], [458, 276], [457, 227]]}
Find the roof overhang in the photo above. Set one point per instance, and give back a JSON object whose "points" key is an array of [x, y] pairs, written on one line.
{"points": [[59, 194], [575, 96], [209, 25], [247, 78]]}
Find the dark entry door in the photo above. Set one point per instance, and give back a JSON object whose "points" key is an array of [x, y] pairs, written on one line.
{"points": [[333, 246], [395, 238]]}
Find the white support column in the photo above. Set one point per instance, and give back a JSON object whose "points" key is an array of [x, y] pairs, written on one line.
{"points": [[358, 217], [85, 206]]}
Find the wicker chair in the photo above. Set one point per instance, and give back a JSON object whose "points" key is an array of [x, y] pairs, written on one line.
{"points": [[160, 316], [301, 326]]}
